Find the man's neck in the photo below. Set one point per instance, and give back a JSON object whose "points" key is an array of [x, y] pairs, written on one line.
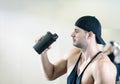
{"points": [[89, 53]]}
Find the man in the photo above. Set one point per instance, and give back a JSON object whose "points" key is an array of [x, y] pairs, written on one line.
{"points": [[85, 64]]}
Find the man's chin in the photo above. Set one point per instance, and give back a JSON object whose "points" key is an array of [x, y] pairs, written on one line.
{"points": [[75, 45]]}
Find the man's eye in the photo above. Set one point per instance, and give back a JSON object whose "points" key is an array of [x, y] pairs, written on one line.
{"points": [[76, 31]]}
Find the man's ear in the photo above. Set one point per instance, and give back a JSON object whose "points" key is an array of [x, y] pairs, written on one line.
{"points": [[90, 34]]}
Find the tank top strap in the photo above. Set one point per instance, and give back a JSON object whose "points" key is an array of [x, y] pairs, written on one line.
{"points": [[71, 79], [78, 59], [90, 62]]}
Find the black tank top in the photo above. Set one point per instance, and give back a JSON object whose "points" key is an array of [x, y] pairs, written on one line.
{"points": [[73, 78]]}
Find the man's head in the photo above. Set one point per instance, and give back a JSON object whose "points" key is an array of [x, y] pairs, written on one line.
{"points": [[91, 24]]}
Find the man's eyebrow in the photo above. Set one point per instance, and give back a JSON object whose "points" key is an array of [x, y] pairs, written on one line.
{"points": [[76, 29]]}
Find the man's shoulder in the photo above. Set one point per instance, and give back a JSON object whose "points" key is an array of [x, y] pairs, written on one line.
{"points": [[72, 53], [104, 70], [75, 51], [103, 62]]}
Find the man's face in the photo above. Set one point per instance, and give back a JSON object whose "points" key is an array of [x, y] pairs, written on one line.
{"points": [[79, 38]]}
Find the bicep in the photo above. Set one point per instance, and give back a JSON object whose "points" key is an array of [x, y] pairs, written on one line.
{"points": [[60, 68]]}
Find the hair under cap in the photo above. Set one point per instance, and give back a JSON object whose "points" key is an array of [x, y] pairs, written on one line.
{"points": [[91, 23]]}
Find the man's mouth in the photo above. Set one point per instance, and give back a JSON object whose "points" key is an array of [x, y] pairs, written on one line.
{"points": [[73, 40]]}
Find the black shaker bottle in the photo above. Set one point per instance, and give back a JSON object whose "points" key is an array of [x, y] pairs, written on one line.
{"points": [[45, 42]]}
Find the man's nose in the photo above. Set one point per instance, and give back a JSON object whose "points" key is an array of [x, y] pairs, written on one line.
{"points": [[72, 35]]}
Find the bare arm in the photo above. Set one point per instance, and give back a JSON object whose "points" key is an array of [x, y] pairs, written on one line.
{"points": [[53, 71], [105, 73]]}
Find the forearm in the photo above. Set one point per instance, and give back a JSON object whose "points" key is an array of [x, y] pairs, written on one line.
{"points": [[47, 66]]}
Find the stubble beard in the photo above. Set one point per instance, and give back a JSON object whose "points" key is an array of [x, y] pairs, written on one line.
{"points": [[81, 46]]}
